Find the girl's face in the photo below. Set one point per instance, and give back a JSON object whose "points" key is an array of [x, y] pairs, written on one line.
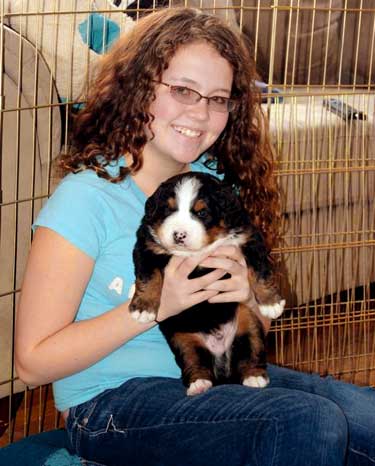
{"points": [[183, 132]]}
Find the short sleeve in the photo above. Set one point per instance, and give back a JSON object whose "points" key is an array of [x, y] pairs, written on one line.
{"points": [[75, 211]]}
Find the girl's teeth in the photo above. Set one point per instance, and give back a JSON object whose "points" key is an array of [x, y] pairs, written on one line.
{"points": [[187, 132]]}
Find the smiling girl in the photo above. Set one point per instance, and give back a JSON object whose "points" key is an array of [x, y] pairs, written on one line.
{"points": [[175, 94]]}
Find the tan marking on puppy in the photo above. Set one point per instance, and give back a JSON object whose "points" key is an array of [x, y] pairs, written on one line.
{"points": [[146, 300], [155, 247], [266, 291], [172, 203], [188, 344], [216, 232], [248, 323], [199, 205]]}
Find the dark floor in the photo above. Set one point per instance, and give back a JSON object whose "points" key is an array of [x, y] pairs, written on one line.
{"points": [[35, 413]]}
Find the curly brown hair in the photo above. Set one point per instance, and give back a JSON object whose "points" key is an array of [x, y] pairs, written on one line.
{"points": [[116, 112]]}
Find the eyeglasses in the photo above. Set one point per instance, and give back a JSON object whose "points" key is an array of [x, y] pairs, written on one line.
{"points": [[188, 96]]}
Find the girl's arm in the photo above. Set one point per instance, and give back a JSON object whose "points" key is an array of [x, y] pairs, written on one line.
{"points": [[49, 344]]}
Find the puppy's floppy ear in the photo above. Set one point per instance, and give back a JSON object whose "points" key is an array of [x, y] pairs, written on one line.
{"points": [[230, 205], [157, 199], [151, 206]]}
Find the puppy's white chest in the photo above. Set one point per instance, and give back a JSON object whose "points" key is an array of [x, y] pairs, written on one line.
{"points": [[219, 341]]}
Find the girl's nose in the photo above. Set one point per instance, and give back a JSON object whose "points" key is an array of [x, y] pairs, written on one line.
{"points": [[200, 109]]}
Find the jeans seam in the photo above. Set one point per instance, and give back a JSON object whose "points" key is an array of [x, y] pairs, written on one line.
{"points": [[276, 449], [90, 462], [361, 453], [167, 424]]}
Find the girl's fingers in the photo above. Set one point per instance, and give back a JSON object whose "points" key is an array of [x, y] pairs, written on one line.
{"points": [[230, 297], [201, 283], [224, 263], [188, 264], [221, 285], [175, 263], [232, 252], [229, 258], [201, 296]]}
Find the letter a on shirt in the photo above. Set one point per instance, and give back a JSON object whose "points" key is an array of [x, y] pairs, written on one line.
{"points": [[117, 285]]}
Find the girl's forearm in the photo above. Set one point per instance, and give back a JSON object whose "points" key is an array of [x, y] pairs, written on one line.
{"points": [[77, 346]]}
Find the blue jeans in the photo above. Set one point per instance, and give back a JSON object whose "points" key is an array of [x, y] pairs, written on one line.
{"points": [[298, 420]]}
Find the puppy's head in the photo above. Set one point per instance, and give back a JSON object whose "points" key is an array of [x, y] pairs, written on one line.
{"points": [[191, 211]]}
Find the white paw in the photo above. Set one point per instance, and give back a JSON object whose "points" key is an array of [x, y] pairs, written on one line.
{"points": [[143, 316], [256, 381], [199, 386], [272, 311]]}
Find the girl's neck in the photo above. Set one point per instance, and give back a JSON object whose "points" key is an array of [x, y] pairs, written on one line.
{"points": [[149, 177]]}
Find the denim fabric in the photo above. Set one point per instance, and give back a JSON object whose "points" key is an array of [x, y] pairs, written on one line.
{"points": [[299, 420]]}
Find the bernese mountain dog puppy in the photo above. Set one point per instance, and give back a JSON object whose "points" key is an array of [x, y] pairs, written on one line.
{"points": [[213, 343]]}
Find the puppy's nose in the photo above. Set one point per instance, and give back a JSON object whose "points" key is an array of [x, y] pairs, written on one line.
{"points": [[179, 236]]}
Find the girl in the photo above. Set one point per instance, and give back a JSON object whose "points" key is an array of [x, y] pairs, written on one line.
{"points": [[175, 94]]}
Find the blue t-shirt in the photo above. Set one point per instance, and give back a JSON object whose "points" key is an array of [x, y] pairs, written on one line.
{"points": [[101, 218]]}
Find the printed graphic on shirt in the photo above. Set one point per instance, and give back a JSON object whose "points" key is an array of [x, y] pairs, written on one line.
{"points": [[117, 285]]}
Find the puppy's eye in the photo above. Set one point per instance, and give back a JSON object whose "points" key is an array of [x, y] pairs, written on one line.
{"points": [[203, 213]]}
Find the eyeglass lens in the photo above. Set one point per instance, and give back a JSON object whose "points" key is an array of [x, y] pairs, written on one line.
{"points": [[188, 96]]}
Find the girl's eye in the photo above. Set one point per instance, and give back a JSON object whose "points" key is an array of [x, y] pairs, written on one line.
{"points": [[219, 100], [183, 91]]}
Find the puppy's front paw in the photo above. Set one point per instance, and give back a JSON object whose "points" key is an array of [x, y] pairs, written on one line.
{"points": [[142, 308], [199, 386], [272, 311], [258, 381], [143, 316]]}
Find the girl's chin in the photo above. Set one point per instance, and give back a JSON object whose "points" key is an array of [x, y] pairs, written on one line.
{"points": [[186, 159], [184, 155]]}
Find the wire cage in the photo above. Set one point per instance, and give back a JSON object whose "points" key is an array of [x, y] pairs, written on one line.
{"points": [[316, 65]]}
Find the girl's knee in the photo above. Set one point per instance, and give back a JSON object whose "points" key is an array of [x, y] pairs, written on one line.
{"points": [[330, 420], [320, 417], [308, 429]]}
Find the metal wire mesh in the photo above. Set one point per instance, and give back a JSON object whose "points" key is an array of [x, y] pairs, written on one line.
{"points": [[312, 55]]}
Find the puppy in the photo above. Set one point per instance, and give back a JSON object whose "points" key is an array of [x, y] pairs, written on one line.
{"points": [[212, 343]]}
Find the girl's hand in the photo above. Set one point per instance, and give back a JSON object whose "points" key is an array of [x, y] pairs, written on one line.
{"points": [[179, 292], [237, 287]]}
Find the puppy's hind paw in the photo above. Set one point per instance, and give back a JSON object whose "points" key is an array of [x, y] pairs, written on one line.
{"points": [[256, 381], [143, 316], [272, 311], [199, 386]]}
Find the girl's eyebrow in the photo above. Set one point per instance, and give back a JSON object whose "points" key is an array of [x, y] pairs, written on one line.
{"points": [[195, 83]]}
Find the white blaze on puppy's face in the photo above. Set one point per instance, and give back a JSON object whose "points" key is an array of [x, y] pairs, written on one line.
{"points": [[181, 231]]}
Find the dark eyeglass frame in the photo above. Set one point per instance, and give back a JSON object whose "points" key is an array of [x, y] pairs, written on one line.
{"points": [[231, 104]]}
